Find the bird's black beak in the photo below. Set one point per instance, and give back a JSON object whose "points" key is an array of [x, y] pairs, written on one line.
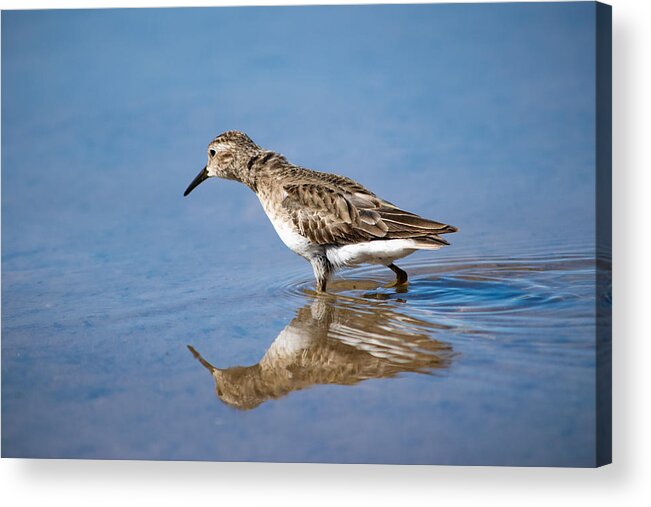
{"points": [[203, 175]]}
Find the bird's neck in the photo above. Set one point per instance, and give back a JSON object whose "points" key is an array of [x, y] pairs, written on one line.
{"points": [[261, 167]]}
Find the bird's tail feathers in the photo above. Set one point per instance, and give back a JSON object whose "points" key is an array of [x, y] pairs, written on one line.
{"points": [[432, 242]]}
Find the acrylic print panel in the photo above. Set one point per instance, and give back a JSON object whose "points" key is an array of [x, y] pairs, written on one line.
{"points": [[141, 324]]}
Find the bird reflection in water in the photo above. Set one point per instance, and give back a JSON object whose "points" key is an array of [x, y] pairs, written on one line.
{"points": [[334, 340]]}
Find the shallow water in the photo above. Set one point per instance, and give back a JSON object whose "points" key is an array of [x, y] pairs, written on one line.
{"points": [[475, 362], [138, 324]]}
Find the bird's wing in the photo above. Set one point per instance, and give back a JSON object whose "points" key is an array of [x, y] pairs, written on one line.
{"points": [[330, 215], [403, 224], [326, 215], [341, 183]]}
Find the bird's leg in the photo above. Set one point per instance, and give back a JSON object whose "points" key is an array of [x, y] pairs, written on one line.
{"points": [[401, 276], [322, 271]]}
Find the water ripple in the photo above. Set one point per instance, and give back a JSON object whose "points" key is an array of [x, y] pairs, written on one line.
{"points": [[534, 291], [525, 310]]}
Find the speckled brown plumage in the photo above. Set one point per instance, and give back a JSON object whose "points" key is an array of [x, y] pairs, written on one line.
{"points": [[319, 214]]}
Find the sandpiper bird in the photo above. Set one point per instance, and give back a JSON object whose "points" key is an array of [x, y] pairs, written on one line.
{"points": [[330, 220]]}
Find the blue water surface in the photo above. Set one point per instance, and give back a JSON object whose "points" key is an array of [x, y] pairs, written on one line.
{"points": [[481, 116]]}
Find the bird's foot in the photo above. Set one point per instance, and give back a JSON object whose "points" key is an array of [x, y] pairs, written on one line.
{"points": [[398, 285], [402, 280]]}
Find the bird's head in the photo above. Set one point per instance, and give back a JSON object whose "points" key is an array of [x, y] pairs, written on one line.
{"points": [[228, 157]]}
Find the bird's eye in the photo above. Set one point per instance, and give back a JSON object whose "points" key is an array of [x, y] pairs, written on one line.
{"points": [[212, 152]]}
